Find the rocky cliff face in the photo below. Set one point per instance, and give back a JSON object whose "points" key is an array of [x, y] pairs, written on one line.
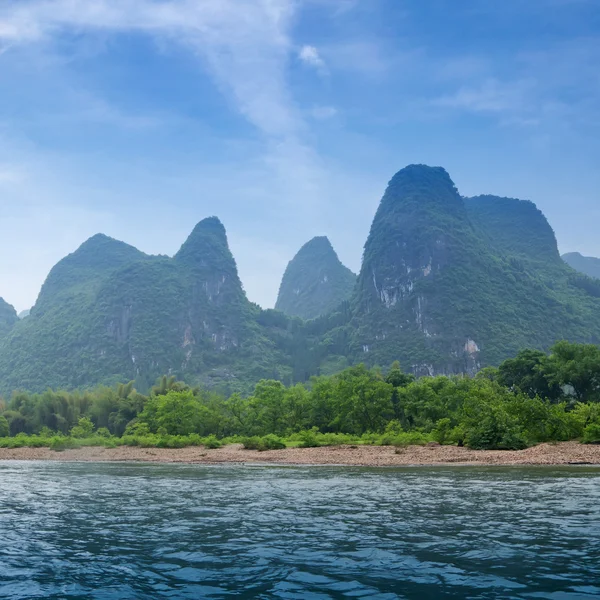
{"points": [[420, 242], [584, 264], [315, 282], [8, 317], [449, 285]]}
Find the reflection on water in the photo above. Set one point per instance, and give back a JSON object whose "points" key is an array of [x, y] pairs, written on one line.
{"points": [[76, 530]]}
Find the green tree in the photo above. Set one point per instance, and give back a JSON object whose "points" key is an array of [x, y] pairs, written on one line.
{"points": [[363, 401], [576, 366], [83, 429], [527, 373], [4, 428], [177, 413]]}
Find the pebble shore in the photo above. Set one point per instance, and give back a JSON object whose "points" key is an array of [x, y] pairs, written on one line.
{"points": [[563, 453]]}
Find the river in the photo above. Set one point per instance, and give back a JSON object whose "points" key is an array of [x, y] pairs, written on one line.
{"points": [[115, 530]]}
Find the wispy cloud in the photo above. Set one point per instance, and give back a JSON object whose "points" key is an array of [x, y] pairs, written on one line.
{"points": [[244, 44], [310, 56], [489, 96], [323, 112]]}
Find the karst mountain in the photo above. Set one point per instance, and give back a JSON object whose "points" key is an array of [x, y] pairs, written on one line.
{"points": [[448, 284]]}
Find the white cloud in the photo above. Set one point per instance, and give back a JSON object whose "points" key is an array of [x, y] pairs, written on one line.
{"points": [[244, 44], [323, 112], [489, 96], [309, 55]]}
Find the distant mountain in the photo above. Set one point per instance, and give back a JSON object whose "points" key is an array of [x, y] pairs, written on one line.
{"points": [[315, 281], [110, 313], [449, 285], [584, 264], [8, 317], [24, 313]]}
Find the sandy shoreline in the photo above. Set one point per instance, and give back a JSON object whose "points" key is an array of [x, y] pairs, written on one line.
{"points": [[563, 453]]}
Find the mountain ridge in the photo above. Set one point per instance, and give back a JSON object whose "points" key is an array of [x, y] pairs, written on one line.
{"points": [[447, 285], [588, 265]]}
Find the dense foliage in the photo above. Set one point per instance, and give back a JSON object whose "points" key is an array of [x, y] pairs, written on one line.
{"points": [[315, 282], [532, 398]]}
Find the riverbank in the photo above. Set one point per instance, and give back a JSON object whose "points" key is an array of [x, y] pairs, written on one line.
{"points": [[563, 453]]}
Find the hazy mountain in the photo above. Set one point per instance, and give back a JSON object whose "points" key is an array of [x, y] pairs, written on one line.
{"points": [[447, 285], [109, 313], [315, 281], [584, 264]]}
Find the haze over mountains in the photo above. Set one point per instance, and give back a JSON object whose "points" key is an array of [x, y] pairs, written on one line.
{"points": [[447, 285], [315, 281], [584, 264]]}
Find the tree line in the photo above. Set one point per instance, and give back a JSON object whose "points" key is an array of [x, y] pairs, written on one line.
{"points": [[534, 397]]}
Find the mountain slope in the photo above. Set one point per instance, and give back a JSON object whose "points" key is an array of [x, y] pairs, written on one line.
{"points": [[444, 291], [513, 227], [110, 313], [315, 281], [584, 264], [8, 317]]}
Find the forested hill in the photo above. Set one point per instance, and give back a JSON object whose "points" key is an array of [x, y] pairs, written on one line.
{"points": [[514, 227], [315, 281], [8, 317], [587, 265], [109, 313], [447, 285]]}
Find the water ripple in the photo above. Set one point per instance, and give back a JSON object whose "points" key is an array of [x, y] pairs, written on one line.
{"points": [[104, 531]]}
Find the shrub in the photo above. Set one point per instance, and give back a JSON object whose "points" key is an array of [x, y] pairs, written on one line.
{"points": [[211, 442], [103, 432], [441, 433], [268, 442], [59, 443], [309, 438], [591, 434], [83, 429], [138, 428], [46, 432], [495, 434], [411, 438]]}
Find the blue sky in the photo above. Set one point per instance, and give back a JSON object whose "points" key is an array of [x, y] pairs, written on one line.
{"points": [[285, 118]]}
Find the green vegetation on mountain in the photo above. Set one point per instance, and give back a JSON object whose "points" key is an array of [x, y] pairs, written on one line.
{"points": [[109, 313], [513, 227], [315, 282], [532, 398], [449, 285], [587, 265], [8, 317]]}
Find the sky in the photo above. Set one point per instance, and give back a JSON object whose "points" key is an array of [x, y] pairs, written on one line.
{"points": [[284, 118]]}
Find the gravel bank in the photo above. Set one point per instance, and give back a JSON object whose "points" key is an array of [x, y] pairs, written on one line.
{"points": [[373, 456]]}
